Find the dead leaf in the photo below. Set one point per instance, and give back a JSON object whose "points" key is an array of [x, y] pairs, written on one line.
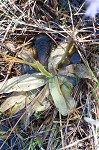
{"points": [[39, 103], [26, 55], [80, 70], [11, 46], [23, 103], [12, 100]]}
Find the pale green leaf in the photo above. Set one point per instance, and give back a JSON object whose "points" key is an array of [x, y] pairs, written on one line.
{"points": [[57, 96], [66, 89], [61, 94], [25, 82], [45, 105], [43, 70], [56, 56], [70, 102]]}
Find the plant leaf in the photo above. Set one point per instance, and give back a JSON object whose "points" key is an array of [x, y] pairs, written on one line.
{"points": [[70, 102], [80, 70], [39, 103], [25, 102], [12, 100], [25, 82], [61, 94], [60, 54], [43, 70], [56, 56], [57, 95], [17, 101], [26, 54], [66, 89]]}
